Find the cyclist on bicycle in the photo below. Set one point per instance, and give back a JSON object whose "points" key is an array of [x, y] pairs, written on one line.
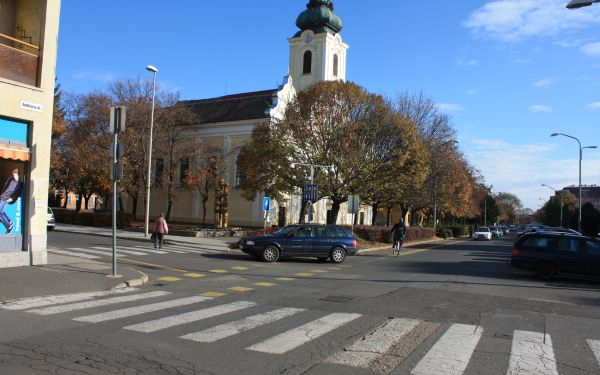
{"points": [[399, 231]]}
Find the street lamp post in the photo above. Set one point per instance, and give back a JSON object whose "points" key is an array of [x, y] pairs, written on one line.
{"points": [[312, 172], [560, 192], [580, 158], [153, 70]]}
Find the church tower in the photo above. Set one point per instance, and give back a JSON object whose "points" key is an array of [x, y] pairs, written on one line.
{"points": [[317, 51]]}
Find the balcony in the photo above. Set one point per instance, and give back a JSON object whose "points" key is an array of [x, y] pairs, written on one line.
{"points": [[18, 60]]}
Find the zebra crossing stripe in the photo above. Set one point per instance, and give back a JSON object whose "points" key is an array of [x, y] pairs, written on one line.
{"points": [[531, 354], [172, 321], [97, 252], [32, 302], [451, 354], [364, 351], [89, 304], [152, 251], [138, 310], [119, 250], [229, 329], [296, 337], [595, 346], [70, 253]]}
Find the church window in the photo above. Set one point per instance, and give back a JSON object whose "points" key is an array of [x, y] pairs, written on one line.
{"points": [[159, 171], [240, 176], [184, 170], [335, 65], [307, 69]]}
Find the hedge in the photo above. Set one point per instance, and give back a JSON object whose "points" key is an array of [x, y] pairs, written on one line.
{"points": [[384, 234], [90, 219]]}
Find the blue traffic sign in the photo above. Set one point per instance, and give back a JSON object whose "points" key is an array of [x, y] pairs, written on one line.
{"points": [[266, 203]]}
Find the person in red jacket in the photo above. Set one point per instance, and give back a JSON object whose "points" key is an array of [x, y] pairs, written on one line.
{"points": [[160, 229]]}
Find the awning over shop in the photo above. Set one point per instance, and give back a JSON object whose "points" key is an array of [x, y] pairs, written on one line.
{"points": [[8, 151]]}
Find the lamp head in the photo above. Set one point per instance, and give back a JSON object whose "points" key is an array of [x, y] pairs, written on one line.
{"points": [[152, 69], [574, 4], [554, 134]]}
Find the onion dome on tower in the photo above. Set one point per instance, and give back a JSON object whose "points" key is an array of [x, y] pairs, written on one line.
{"points": [[319, 18]]}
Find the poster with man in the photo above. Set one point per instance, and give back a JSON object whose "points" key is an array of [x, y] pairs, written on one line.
{"points": [[10, 204]]}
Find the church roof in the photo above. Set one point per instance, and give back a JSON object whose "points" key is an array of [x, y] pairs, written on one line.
{"points": [[246, 106], [319, 18]]}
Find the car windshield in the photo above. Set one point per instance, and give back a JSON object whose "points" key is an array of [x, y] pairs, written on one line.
{"points": [[483, 229], [284, 231]]}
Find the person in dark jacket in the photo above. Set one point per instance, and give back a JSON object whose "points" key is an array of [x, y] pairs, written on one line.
{"points": [[399, 231], [10, 194], [160, 229]]}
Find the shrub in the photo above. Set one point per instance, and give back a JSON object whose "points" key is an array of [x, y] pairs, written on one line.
{"points": [[443, 232], [384, 234], [90, 219], [459, 230]]}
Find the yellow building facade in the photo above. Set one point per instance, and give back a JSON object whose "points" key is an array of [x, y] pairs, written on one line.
{"points": [[28, 48]]}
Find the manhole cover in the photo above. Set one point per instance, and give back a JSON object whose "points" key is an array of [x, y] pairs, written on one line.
{"points": [[337, 299]]}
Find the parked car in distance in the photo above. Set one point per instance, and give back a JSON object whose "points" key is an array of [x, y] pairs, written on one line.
{"points": [[512, 228], [303, 240], [527, 228], [482, 233], [51, 222], [504, 229], [550, 253], [496, 232]]}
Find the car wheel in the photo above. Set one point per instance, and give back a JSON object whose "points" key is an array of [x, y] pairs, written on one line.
{"points": [[338, 255], [270, 254], [545, 270]]}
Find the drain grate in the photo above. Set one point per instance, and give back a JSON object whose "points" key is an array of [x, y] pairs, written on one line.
{"points": [[337, 299]]}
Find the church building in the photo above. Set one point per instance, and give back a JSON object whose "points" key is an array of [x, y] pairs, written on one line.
{"points": [[317, 53]]}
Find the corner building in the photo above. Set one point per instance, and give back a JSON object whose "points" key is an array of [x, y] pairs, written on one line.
{"points": [[317, 53], [28, 47]]}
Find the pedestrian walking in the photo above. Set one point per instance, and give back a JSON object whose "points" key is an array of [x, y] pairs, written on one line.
{"points": [[399, 231], [160, 229]]}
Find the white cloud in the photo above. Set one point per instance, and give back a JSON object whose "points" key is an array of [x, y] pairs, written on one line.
{"points": [[450, 107], [514, 20], [544, 83], [472, 92], [537, 108], [94, 75], [591, 49], [594, 105]]}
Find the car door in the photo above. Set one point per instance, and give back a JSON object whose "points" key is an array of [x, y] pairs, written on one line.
{"points": [[322, 241], [299, 242], [571, 256], [592, 248]]}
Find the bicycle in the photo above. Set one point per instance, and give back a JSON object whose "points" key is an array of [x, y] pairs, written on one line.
{"points": [[396, 248]]}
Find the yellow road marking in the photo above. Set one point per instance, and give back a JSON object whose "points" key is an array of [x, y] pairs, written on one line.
{"points": [[240, 268], [212, 294], [217, 271], [152, 265], [194, 275], [334, 268], [240, 289], [169, 278], [265, 284], [286, 278], [403, 254], [319, 271], [304, 274]]}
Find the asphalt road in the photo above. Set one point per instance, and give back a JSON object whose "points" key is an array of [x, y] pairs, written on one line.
{"points": [[450, 308]]}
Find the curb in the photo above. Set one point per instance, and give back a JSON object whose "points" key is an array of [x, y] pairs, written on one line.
{"points": [[143, 279]]}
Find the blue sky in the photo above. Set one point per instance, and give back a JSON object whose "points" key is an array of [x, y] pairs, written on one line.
{"points": [[509, 72]]}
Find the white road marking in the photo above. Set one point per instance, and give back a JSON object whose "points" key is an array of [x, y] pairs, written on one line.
{"points": [[97, 252], [89, 304], [70, 253], [229, 329], [531, 354], [296, 337], [119, 250], [138, 310], [451, 353], [595, 346], [363, 351], [171, 321], [32, 302], [153, 251]]}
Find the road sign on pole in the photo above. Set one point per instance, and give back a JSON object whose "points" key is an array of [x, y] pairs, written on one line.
{"points": [[266, 209], [118, 117], [311, 193], [353, 204]]}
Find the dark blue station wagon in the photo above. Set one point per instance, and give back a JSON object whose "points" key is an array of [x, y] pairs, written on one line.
{"points": [[303, 240]]}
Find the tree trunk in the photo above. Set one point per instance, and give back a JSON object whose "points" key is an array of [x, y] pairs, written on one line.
{"points": [[169, 206], [388, 218], [134, 202], [335, 210], [375, 208], [121, 204], [78, 202], [64, 205], [204, 200], [302, 212]]}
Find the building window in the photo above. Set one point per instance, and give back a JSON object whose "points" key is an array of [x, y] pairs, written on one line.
{"points": [[307, 68], [21, 25], [159, 171], [335, 65], [184, 170], [240, 176]]}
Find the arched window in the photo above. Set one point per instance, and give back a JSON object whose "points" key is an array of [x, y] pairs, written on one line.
{"points": [[335, 65], [307, 69], [240, 176]]}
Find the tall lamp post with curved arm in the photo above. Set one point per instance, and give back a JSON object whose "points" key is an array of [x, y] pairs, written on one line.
{"points": [[574, 4], [581, 148], [153, 70]]}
